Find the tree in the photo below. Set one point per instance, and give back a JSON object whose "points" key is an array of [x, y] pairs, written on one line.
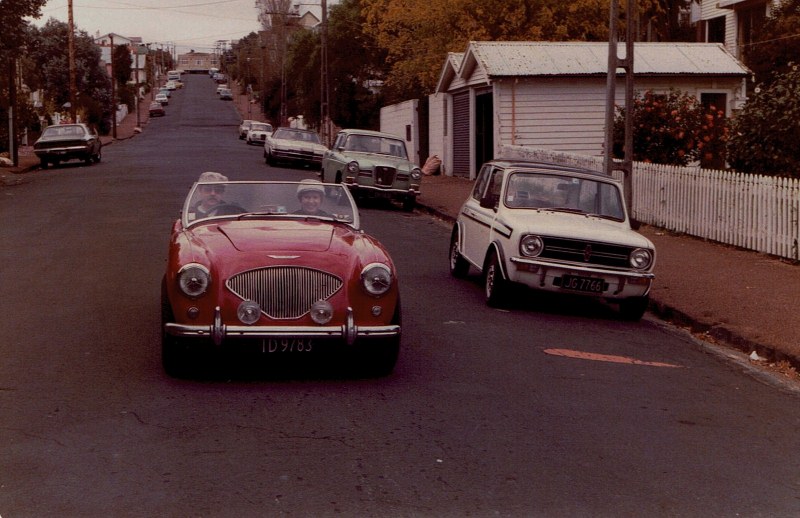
{"points": [[673, 128], [765, 135], [776, 42]]}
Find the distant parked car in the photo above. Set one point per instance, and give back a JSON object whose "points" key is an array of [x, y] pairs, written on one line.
{"points": [[162, 99], [171, 85], [221, 87], [373, 164], [244, 127], [258, 133], [63, 142], [226, 95], [294, 145], [552, 228], [166, 91], [157, 109]]}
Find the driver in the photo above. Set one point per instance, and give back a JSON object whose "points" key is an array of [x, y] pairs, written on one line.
{"points": [[211, 201], [311, 193]]}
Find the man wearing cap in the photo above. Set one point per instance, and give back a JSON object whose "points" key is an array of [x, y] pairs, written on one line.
{"points": [[211, 202], [311, 193]]}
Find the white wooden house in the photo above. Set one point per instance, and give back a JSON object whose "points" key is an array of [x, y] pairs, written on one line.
{"points": [[552, 95], [730, 22]]}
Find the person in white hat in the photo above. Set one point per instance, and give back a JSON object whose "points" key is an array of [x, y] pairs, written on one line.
{"points": [[311, 193], [211, 201]]}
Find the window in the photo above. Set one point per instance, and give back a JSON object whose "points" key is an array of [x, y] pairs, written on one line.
{"points": [[715, 30]]}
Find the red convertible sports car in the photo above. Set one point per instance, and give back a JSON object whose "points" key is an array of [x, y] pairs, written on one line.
{"points": [[279, 268]]}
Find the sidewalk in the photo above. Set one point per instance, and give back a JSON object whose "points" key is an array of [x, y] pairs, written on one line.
{"points": [[737, 297]]}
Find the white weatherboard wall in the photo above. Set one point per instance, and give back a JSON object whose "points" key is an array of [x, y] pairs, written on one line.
{"points": [[439, 139], [400, 120]]}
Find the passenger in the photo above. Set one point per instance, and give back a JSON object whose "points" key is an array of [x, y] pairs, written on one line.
{"points": [[311, 193]]}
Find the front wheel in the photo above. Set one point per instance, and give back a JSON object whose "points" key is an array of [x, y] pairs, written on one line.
{"points": [[379, 355], [495, 286], [459, 267], [409, 202], [634, 308]]}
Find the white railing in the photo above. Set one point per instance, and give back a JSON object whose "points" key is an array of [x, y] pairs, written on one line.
{"points": [[755, 212]]}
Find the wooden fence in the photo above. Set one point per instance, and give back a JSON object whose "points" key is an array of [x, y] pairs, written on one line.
{"points": [[755, 212]]}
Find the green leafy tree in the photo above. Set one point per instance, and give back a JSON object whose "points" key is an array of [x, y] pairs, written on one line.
{"points": [[765, 135], [673, 128], [776, 42]]}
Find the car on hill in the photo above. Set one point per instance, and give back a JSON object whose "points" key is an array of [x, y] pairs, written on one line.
{"points": [[64, 142], [277, 269], [226, 94], [294, 146], [552, 228], [371, 163], [244, 127], [258, 133], [157, 109], [162, 99]]}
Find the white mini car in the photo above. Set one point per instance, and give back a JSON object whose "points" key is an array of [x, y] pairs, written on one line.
{"points": [[552, 228]]}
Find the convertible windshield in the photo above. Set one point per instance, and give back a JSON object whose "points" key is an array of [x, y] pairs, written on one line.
{"points": [[376, 144], [255, 200], [564, 193]]}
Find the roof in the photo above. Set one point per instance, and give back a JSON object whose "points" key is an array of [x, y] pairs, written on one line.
{"points": [[539, 58]]}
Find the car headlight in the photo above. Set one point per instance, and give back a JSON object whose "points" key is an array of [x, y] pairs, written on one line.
{"points": [[376, 278], [352, 167], [416, 173], [531, 246], [194, 279], [641, 258]]}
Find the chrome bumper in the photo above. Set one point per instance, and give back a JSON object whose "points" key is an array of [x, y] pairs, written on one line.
{"points": [[411, 191], [589, 270], [218, 331]]}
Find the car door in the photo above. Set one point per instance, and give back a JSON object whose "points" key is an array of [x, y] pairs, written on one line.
{"points": [[477, 221], [331, 161]]}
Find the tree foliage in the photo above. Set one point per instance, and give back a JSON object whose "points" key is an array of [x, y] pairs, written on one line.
{"points": [[776, 42], [673, 128], [765, 135]]}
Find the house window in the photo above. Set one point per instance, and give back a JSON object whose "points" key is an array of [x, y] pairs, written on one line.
{"points": [[715, 31], [749, 20], [718, 100]]}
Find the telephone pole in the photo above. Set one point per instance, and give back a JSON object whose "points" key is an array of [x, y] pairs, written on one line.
{"points": [[72, 74], [324, 117]]}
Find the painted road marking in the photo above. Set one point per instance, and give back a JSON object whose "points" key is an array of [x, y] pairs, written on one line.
{"points": [[581, 355]]}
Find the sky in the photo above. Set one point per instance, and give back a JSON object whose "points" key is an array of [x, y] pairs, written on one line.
{"points": [[187, 24]]}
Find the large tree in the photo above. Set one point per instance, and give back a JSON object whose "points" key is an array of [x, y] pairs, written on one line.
{"points": [[775, 43]]}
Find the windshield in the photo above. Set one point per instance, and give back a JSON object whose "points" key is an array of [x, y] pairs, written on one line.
{"points": [[268, 200], [63, 131], [260, 127], [567, 193], [376, 144], [291, 134]]}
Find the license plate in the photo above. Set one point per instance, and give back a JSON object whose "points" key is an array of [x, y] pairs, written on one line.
{"points": [[587, 284], [287, 345]]}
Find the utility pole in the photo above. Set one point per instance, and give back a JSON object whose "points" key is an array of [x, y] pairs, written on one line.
{"points": [[12, 111], [324, 116], [136, 88], [113, 91], [72, 74], [614, 62]]}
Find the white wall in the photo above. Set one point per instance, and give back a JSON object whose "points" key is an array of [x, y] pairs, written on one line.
{"points": [[397, 118]]}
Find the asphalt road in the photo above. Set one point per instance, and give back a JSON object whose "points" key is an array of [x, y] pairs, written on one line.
{"points": [[554, 408]]}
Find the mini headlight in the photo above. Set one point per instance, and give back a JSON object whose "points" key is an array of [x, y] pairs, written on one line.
{"points": [[641, 258], [352, 167], [194, 279], [416, 173], [248, 312], [531, 246], [376, 278], [321, 312]]}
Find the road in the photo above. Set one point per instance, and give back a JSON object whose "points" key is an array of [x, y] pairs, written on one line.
{"points": [[553, 408]]}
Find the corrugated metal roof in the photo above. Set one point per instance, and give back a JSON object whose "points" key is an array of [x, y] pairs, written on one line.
{"points": [[531, 58]]}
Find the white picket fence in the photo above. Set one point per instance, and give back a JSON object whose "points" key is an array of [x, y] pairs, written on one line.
{"points": [[755, 212]]}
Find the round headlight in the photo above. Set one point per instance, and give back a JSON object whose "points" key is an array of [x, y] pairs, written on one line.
{"points": [[248, 312], [376, 278], [321, 312], [531, 246], [416, 173], [352, 167], [194, 279], [641, 258]]}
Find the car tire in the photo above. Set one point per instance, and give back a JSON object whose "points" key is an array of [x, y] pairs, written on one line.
{"points": [[495, 286], [99, 156], [174, 353], [378, 356], [459, 267], [409, 202], [634, 308], [269, 160], [44, 164]]}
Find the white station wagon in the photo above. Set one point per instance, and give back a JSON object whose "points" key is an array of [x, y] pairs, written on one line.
{"points": [[552, 228]]}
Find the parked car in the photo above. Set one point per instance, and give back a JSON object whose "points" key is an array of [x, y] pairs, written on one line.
{"points": [[373, 163], [260, 272], [244, 127], [292, 145], [552, 228], [157, 109], [171, 85], [221, 87], [63, 142], [166, 91], [225, 94], [162, 99], [258, 133]]}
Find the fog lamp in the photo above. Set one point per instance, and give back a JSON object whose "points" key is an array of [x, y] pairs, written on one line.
{"points": [[376, 311], [321, 312], [248, 312]]}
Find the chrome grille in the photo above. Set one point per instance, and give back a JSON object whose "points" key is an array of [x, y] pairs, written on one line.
{"points": [[284, 292], [591, 252], [384, 175]]}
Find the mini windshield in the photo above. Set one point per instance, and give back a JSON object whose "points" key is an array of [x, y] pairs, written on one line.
{"points": [[564, 193], [269, 200], [376, 144]]}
